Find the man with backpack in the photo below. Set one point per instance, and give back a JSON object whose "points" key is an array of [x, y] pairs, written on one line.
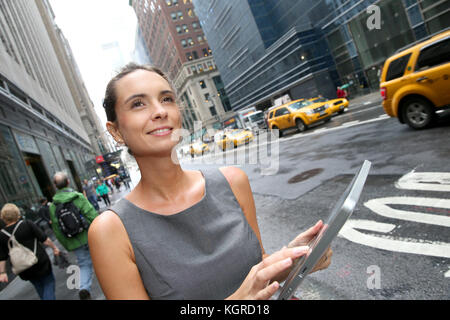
{"points": [[71, 214]]}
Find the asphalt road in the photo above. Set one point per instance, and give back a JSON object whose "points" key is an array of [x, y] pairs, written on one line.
{"points": [[394, 248]]}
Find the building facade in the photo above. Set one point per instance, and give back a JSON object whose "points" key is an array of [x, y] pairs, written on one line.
{"points": [[41, 130], [269, 48]]}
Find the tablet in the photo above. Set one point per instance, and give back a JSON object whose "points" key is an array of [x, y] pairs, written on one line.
{"points": [[331, 226]]}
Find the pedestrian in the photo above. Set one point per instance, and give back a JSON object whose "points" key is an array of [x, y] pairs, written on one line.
{"points": [[90, 193], [71, 201], [103, 191], [44, 212], [340, 93], [109, 184], [31, 236], [117, 183], [179, 234]]}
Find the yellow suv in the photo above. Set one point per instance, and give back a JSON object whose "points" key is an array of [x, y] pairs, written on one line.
{"points": [[415, 83], [299, 113]]}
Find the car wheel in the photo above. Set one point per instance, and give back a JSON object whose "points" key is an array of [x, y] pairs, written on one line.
{"points": [[300, 125], [235, 144], [341, 111], [418, 113]]}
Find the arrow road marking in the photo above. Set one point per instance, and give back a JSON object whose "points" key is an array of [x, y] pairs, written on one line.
{"points": [[437, 181], [413, 246]]}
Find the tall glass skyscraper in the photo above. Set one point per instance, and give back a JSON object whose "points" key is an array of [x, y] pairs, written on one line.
{"points": [[268, 48]]}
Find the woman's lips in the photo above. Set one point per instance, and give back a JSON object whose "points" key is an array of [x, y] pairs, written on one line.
{"points": [[161, 132]]}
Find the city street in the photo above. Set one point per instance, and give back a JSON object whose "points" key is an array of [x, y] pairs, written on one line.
{"points": [[410, 245]]}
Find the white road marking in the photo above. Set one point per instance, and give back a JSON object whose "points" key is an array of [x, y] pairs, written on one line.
{"points": [[413, 246], [427, 181], [380, 206], [447, 274], [351, 123]]}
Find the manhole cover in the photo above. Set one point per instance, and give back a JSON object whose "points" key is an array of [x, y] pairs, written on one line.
{"points": [[305, 175]]}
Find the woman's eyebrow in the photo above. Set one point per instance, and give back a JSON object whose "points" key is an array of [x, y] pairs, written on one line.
{"points": [[167, 92], [138, 95]]}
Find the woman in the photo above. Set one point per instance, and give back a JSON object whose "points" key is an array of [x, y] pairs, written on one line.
{"points": [[103, 191], [179, 234], [25, 232]]}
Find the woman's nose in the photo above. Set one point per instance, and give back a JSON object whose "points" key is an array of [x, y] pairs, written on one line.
{"points": [[159, 112]]}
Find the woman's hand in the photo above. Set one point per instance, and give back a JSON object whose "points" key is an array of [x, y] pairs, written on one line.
{"points": [[256, 284], [3, 277], [305, 237], [56, 252]]}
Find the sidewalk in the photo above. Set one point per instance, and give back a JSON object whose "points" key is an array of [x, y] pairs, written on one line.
{"points": [[368, 99], [18, 289]]}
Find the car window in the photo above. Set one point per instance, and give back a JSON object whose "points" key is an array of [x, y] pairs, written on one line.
{"points": [[397, 67], [434, 55], [271, 115], [281, 111]]}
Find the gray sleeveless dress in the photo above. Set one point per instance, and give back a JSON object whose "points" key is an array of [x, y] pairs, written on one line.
{"points": [[203, 252]]}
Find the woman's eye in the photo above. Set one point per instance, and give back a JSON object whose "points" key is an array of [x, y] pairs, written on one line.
{"points": [[137, 103], [168, 99]]}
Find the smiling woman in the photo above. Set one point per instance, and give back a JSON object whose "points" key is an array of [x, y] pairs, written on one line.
{"points": [[179, 234]]}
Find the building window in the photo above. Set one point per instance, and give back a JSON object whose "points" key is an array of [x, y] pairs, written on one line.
{"points": [[189, 56], [200, 38], [175, 2], [207, 97], [190, 12], [173, 15], [205, 52], [210, 65], [190, 41], [180, 15], [184, 43], [195, 25], [213, 111], [178, 29], [169, 3], [194, 69], [187, 1], [202, 85], [185, 28], [194, 53], [200, 68]]}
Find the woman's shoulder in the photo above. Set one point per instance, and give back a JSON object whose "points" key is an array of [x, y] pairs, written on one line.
{"points": [[106, 224], [235, 176]]}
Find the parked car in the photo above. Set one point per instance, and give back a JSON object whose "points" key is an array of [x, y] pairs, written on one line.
{"points": [[234, 138], [415, 82], [336, 105], [298, 113]]}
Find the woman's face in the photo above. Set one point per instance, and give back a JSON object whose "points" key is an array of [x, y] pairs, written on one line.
{"points": [[147, 114]]}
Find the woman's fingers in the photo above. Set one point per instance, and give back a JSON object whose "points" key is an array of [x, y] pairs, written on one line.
{"points": [[304, 237], [284, 253], [267, 292]]}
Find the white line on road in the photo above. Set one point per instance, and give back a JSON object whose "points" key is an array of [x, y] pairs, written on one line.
{"points": [[437, 181], [413, 246], [380, 206], [351, 123]]}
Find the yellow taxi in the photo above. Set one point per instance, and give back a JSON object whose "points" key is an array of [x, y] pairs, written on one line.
{"points": [[198, 148], [298, 113], [233, 138], [336, 105], [415, 82]]}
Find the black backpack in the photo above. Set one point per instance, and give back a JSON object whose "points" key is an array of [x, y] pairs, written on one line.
{"points": [[70, 220]]}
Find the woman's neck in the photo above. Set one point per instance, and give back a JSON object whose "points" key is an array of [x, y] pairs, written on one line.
{"points": [[161, 177]]}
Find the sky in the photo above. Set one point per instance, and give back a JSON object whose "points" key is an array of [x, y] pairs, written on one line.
{"points": [[90, 26]]}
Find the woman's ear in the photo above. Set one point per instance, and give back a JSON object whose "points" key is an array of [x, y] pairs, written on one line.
{"points": [[114, 132]]}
